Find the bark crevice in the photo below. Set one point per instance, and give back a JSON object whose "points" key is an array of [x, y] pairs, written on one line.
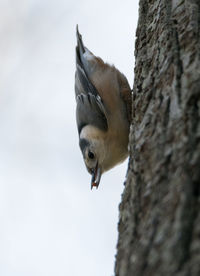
{"points": [[159, 225]]}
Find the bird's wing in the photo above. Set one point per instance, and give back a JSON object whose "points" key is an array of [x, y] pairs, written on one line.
{"points": [[82, 79], [90, 111], [82, 82], [90, 108]]}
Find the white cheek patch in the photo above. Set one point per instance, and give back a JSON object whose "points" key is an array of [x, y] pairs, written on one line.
{"points": [[96, 139], [90, 132]]}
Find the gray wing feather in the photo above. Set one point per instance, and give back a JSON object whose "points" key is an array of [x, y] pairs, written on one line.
{"points": [[83, 82], [90, 111]]}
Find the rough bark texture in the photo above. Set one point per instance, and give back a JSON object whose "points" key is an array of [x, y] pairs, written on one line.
{"points": [[159, 227]]}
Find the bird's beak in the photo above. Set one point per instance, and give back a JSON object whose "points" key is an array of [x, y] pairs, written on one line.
{"points": [[96, 176]]}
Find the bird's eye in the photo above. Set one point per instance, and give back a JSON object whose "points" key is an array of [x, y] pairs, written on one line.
{"points": [[91, 155]]}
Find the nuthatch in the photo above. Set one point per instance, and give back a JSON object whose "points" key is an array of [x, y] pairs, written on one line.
{"points": [[103, 112]]}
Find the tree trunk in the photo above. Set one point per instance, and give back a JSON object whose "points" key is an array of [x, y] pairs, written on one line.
{"points": [[159, 227]]}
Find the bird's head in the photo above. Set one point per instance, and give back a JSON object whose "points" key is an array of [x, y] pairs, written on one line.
{"points": [[101, 151], [94, 152]]}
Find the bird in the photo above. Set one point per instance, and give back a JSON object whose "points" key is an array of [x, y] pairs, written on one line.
{"points": [[103, 112]]}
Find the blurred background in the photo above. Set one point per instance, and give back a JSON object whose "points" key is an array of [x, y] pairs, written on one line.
{"points": [[51, 223]]}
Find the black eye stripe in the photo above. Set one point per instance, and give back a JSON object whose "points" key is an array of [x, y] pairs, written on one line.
{"points": [[83, 144]]}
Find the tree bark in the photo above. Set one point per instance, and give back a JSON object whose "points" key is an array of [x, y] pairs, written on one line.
{"points": [[159, 227]]}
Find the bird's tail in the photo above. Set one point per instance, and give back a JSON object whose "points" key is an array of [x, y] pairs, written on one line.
{"points": [[80, 45]]}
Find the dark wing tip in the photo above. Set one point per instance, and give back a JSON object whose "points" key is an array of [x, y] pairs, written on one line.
{"points": [[77, 31], [80, 46]]}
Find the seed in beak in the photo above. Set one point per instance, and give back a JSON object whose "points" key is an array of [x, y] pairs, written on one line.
{"points": [[96, 176]]}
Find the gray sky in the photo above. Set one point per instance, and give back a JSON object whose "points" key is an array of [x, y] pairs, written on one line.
{"points": [[51, 223]]}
